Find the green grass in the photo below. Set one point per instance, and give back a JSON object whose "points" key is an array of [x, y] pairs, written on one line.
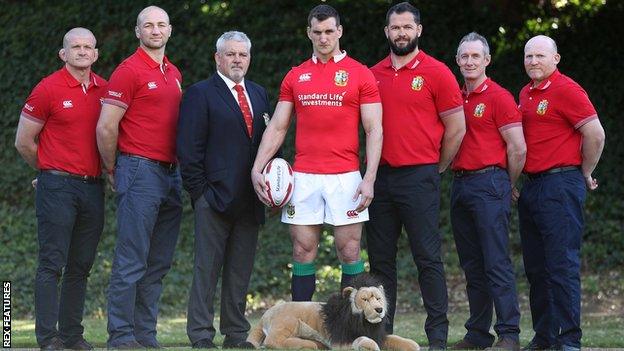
{"points": [[599, 330]]}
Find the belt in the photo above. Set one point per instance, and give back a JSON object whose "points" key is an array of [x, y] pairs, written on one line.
{"points": [[84, 178], [462, 173], [552, 171], [167, 165]]}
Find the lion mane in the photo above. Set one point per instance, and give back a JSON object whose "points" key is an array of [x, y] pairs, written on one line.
{"points": [[345, 325], [354, 319]]}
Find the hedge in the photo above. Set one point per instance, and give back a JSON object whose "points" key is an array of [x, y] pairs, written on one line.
{"points": [[32, 36]]}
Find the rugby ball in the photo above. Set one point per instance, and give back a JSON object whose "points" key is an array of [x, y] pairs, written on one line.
{"points": [[278, 176]]}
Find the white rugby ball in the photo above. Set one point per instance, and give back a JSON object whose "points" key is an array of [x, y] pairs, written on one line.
{"points": [[278, 176]]}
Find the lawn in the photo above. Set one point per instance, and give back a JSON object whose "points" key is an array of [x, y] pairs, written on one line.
{"points": [[599, 330]]}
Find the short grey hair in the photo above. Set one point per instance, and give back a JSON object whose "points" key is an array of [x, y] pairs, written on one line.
{"points": [[474, 36], [233, 35]]}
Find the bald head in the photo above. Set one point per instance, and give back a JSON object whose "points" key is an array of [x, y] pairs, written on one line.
{"points": [[148, 10], [540, 58], [543, 41], [78, 32]]}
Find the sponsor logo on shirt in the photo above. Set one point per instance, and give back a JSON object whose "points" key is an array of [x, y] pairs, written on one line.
{"points": [[542, 107], [152, 85], [29, 108], [479, 110], [417, 83], [326, 99], [115, 94], [351, 214], [305, 77], [341, 78], [67, 104]]}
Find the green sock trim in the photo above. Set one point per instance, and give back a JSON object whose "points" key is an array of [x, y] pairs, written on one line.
{"points": [[353, 268], [301, 269]]}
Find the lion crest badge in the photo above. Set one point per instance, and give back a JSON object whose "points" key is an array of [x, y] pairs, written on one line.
{"points": [[542, 107], [479, 110], [417, 83], [266, 118], [341, 78], [290, 211]]}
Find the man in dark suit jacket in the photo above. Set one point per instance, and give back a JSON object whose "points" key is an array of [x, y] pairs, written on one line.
{"points": [[221, 124]]}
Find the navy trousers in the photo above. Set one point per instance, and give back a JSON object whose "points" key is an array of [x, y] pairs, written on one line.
{"points": [[70, 219], [149, 210], [480, 212], [551, 226], [410, 197]]}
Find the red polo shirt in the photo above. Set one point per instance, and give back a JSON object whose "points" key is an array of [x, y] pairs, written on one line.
{"points": [[327, 99], [415, 99], [69, 113], [552, 113], [151, 95], [489, 110]]}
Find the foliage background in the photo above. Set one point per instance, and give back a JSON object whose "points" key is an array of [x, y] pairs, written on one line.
{"points": [[589, 34]]}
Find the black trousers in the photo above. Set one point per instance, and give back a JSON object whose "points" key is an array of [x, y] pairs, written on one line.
{"points": [[410, 197], [225, 247], [70, 219]]}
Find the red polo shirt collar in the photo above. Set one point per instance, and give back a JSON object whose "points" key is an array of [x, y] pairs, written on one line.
{"points": [[420, 56], [547, 82], [478, 90], [149, 61], [73, 82]]}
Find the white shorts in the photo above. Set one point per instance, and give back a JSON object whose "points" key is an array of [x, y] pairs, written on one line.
{"points": [[324, 198]]}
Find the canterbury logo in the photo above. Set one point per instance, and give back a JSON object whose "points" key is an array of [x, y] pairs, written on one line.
{"points": [[352, 214], [114, 94], [305, 77]]}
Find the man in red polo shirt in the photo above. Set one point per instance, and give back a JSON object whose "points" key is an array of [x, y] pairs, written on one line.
{"points": [[56, 135], [139, 117], [423, 121], [329, 94], [564, 140], [486, 167]]}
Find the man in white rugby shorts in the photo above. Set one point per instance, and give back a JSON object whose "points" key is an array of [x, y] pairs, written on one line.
{"points": [[329, 94]]}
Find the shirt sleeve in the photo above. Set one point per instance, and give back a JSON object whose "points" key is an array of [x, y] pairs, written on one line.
{"points": [[369, 93], [447, 95], [37, 106], [507, 114], [121, 87], [577, 110], [286, 92]]}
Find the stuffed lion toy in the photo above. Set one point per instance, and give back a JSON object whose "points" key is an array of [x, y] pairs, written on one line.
{"points": [[351, 320]]}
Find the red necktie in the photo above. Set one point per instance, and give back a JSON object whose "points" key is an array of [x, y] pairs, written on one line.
{"points": [[244, 106]]}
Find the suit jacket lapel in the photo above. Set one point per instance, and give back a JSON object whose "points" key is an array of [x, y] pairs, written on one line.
{"points": [[226, 95]]}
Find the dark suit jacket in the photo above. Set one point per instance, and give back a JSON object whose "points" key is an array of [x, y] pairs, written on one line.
{"points": [[214, 150]]}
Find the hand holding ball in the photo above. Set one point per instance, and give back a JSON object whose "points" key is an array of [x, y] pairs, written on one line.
{"points": [[278, 176]]}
